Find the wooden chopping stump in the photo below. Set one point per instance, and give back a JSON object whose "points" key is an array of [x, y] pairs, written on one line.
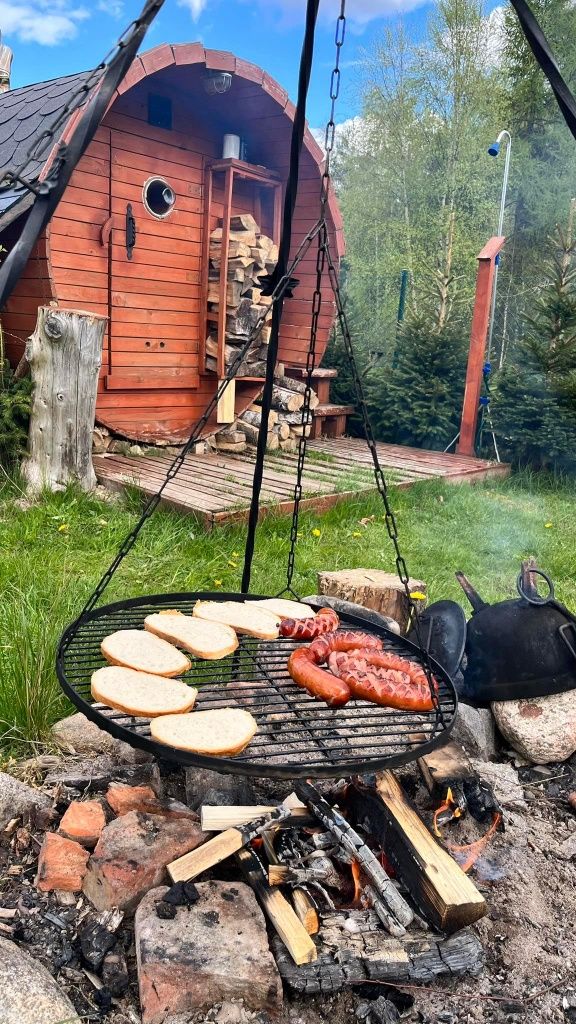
{"points": [[372, 588]]}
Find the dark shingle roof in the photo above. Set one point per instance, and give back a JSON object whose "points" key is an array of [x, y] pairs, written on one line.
{"points": [[24, 114]]}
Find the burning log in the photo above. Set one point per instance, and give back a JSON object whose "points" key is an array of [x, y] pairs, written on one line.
{"points": [[438, 886], [399, 914], [284, 918]]}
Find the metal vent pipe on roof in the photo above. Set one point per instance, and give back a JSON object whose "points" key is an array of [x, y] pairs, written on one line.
{"points": [[6, 56]]}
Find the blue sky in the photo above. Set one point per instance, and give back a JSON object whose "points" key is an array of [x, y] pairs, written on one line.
{"points": [[57, 37]]}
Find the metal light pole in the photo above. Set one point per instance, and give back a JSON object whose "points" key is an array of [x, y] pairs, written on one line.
{"points": [[494, 150]]}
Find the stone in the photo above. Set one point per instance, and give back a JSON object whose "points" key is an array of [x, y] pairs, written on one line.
{"points": [[203, 786], [123, 799], [100, 440], [567, 849], [541, 729], [119, 447], [78, 735], [131, 857], [212, 952], [475, 730], [504, 781], [29, 993], [18, 800], [83, 821], [61, 864], [96, 773]]}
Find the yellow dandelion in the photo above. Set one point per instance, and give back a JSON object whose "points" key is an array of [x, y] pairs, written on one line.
{"points": [[356, 533], [417, 595], [63, 528], [233, 565], [548, 526], [217, 583], [235, 554], [316, 532]]}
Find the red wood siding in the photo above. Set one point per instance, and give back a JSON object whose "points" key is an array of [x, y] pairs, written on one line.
{"points": [[153, 300]]}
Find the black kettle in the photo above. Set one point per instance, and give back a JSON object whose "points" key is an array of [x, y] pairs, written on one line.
{"points": [[520, 648]]}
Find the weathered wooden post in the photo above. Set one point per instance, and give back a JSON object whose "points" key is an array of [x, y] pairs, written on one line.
{"points": [[64, 353]]}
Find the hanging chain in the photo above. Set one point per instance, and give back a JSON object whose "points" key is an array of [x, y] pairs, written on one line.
{"points": [[324, 257], [306, 411], [175, 466], [305, 423], [382, 486]]}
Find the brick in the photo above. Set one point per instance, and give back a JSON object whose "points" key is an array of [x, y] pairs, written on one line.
{"points": [[123, 799], [61, 864], [214, 951], [83, 821], [131, 857]]}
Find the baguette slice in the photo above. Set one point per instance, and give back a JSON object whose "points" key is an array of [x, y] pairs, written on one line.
{"points": [[209, 640], [284, 608], [244, 618], [134, 648], [221, 733], [141, 693]]}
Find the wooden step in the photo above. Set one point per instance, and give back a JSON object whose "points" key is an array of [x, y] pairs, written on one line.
{"points": [[332, 410]]}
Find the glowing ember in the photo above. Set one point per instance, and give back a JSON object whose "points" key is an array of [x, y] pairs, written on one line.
{"points": [[357, 887]]}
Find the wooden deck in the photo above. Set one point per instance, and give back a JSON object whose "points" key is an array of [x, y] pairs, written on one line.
{"points": [[217, 487]]}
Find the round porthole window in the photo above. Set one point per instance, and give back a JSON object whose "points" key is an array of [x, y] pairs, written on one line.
{"points": [[159, 197]]}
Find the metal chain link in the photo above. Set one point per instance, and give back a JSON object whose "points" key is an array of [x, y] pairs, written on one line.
{"points": [[324, 257], [329, 138], [38, 151], [201, 423], [381, 484]]}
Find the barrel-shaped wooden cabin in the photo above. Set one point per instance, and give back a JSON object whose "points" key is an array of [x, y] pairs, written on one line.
{"points": [[130, 238]]}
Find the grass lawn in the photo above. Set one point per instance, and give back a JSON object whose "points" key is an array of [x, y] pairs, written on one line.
{"points": [[54, 553]]}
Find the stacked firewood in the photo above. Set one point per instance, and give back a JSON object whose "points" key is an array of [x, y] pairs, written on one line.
{"points": [[285, 424], [251, 257]]}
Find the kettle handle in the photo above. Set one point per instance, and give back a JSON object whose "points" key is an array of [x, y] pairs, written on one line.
{"points": [[533, 597]]}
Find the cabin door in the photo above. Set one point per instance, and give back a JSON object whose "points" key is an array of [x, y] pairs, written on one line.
{"points": [[154, 261]]}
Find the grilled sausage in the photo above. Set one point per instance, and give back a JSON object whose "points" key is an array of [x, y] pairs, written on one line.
{"points": [[359, 667], [371, 680], [324, 621]]}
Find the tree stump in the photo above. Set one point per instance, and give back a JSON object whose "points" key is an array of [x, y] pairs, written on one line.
{"points": [[372, 588], [65, 353]]}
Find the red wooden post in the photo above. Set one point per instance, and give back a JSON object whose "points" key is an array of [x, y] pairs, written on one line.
{"points": [[478, 334]]}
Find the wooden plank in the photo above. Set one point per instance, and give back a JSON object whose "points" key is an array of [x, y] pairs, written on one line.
{"points": [[448, 896], [281, 914], [150, 378]]}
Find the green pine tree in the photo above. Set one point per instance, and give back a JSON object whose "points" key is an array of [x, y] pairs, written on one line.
{"points": [[418, 401], [535, 404]]}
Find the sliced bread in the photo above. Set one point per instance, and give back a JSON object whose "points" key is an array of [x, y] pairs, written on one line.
{"points": [[244, 618], [221, 733], [284, 608], [209, 640], [141, 693], [135, 648]]}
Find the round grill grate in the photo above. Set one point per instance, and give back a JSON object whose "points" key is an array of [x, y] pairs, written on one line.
{"points": [[297, 736]]}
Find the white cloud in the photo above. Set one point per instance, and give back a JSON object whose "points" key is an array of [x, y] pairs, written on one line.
{"points": [[115, 8], [196, 7], [359, 14], [47, 22], [353, 129], [495, 36]]}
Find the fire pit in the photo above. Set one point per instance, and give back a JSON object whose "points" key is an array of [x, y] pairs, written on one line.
{"points": [[297, 736]]}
